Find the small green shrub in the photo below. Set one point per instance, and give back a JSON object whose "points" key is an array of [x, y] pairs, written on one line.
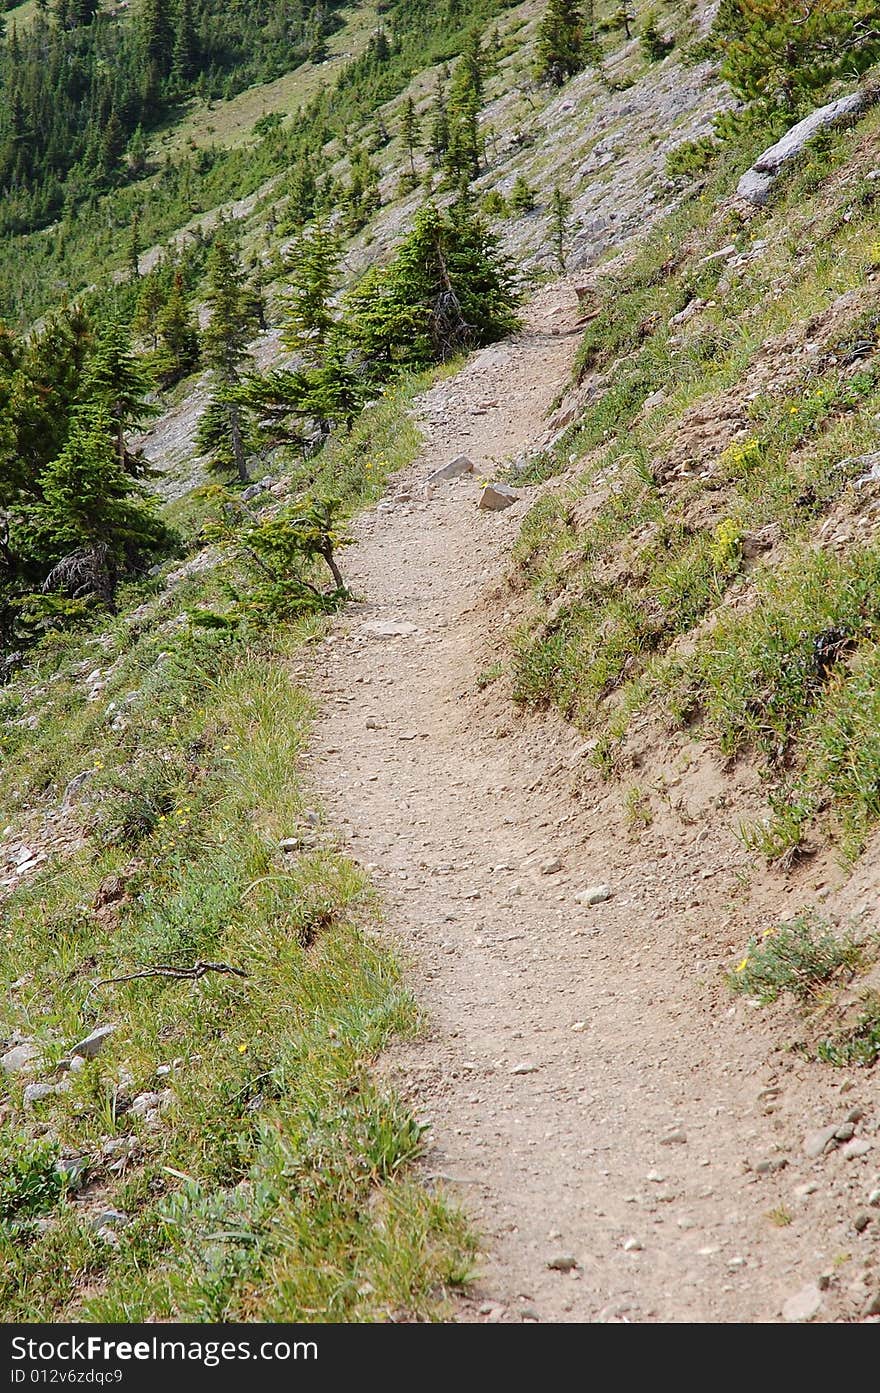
{"points": [[798, 957], [859, 1045], [692, 157], [30, 1182]]}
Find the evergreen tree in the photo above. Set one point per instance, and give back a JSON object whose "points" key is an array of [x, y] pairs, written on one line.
{"points": [[117, 383], [439, 139], [92, 521], [447, 289], [560, 44], [560, 213], [522, 198], [409, 130], [133, 254], [178, 353], [185, 54], [150, 301], [157, 35], [464, 149], [302, 194], [112, 146], [312, 265], [225, 344], [782, 52]]}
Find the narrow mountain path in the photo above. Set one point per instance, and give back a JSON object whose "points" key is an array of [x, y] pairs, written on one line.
{"points": [[594, 1100]]}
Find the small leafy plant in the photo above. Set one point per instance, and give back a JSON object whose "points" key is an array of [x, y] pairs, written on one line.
{"points": [[798, 957]]}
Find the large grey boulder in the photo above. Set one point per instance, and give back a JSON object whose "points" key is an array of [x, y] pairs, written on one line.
{"points": [[756, 183]]}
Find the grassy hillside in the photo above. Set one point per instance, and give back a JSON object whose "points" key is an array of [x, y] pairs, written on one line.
{"points": [[703, 576]]}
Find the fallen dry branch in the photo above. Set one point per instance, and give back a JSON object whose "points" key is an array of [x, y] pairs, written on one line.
{"points": [[187, 974]]}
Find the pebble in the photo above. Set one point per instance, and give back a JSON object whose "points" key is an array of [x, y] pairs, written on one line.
{"points": [[874, 1199], [562, 1262], [873, 1306], [770, 1167], [36, 1092], [674, 1138], [93, 1043], [389, 628], [525, 1068], [821, 1141], [860, 1146], [632, 1245], [805, 1304], [846, 1132], [19, 1058], [861, 1221], [593, 894], [552, 866]]}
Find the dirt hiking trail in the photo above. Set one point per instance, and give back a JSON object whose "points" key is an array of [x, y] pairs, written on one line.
{"points": [[628, 1143]]}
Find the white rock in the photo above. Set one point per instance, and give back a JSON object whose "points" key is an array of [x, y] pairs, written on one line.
{"points": [[805, 1304], [19, 1059], [593, 894], [859, 1146], [453, 470], [93, 1043], [756, 183], [818, 1142]]}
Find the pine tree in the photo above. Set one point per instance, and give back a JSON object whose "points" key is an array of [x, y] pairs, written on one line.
{"points": [[447, 289], [409, 130], [225, 341], [118, 384], [157, 35], [185, 54], [92, 519], [560, 213], [176, 328], [560, 44], [112, 146], [464, 148], [150, 301], [522, 198], [439, 139], [312, 265], [133, 253]]}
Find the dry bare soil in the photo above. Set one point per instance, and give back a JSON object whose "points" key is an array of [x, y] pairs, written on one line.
{"points": [[629, 1142]]}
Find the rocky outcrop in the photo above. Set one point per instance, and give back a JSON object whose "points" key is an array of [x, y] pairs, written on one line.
{"points": [[756, 183]]}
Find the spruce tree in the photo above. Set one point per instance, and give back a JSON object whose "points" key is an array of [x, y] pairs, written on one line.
{"points": [[439, 139], [225, 343], [560, 213], [461, 160], [409, 130], [560, 44], [178, 352], [92, 522], [312, 265], [447, 289], [185, 53], [117, 383], [157, 35]]}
